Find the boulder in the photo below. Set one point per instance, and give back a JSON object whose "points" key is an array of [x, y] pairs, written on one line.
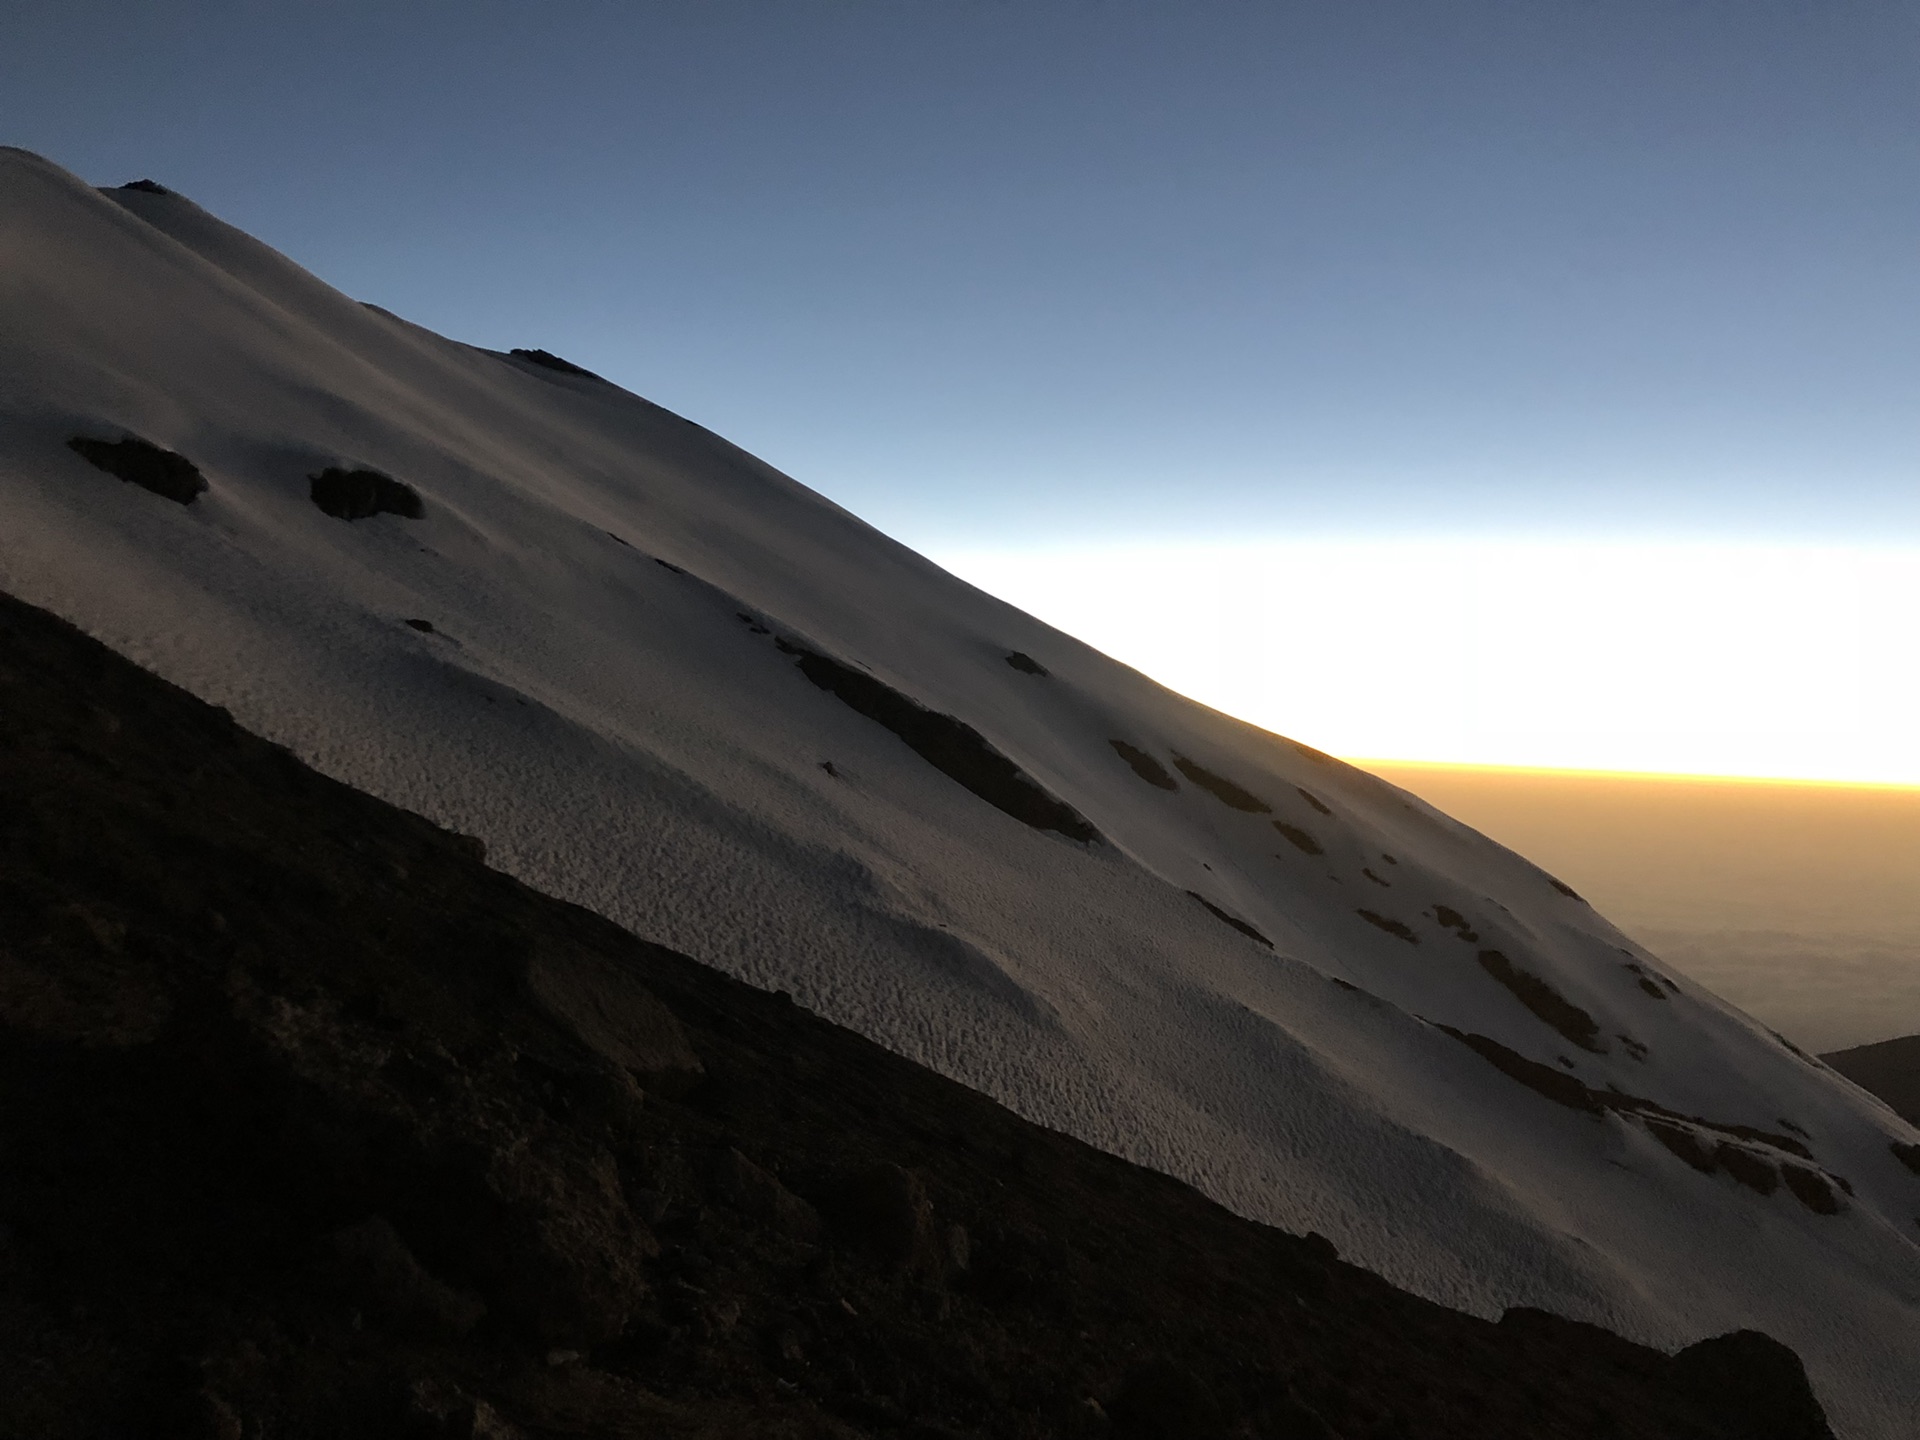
{"points": [[1754, 1385], [757, 1194], [605, 1007], [1162, 1400], [372, 1264]]}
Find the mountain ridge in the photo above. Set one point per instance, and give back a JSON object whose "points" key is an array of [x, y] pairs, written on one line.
{"points": [[628, 735]]}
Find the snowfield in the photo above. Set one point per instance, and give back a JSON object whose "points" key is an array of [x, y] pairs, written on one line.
{"points": [[656, 677]]}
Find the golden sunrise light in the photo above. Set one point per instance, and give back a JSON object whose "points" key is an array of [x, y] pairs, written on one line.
{"points": [[1747, 660]]}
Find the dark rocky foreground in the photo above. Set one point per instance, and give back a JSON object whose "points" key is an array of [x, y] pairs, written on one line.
{"points": [[311, 1125]]}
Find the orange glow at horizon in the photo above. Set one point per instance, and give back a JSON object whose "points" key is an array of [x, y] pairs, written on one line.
{"points": [[1794, 900], [1385, 763]]}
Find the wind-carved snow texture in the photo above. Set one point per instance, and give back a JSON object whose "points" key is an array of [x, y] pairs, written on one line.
{"points": [[550, 658]]}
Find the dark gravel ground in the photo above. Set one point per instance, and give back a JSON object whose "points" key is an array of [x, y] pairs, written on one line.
{"points": [[311, 1125]]}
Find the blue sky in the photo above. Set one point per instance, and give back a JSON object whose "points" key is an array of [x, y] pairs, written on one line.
{"points": [[1046, 272], [1577, 343]]}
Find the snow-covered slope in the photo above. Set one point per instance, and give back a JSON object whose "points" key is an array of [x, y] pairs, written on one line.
{"points": [[665, 681]]}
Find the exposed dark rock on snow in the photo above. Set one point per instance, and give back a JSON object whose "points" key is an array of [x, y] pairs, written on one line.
{"points": [[1707, 1154], [1664, 985], [1560, 1088], [547, 360], [1299, 839], [1221, 788], [139, 462], [1889, 1069], [1752, 1170], [1811, 1189], [951, 746], [1144, 765], [1234, 920], [1566, 889], [1648, 981], [147, 187], [1709, 1146], [314, 1127], [1544, 1001], [1787, 1045], [1315, 801], [1026, 664], [425, 627], [1399, 929], [361, 494], [1907, 1155]]}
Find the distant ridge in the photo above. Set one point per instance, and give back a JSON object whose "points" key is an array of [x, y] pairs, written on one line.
{"points": [[1887, 1068]]}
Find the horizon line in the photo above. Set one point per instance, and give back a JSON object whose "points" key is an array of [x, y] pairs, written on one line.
{"points": [[1674, 776]]}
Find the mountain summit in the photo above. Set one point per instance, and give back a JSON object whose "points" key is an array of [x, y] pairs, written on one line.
{"points": [[657, 678]]}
